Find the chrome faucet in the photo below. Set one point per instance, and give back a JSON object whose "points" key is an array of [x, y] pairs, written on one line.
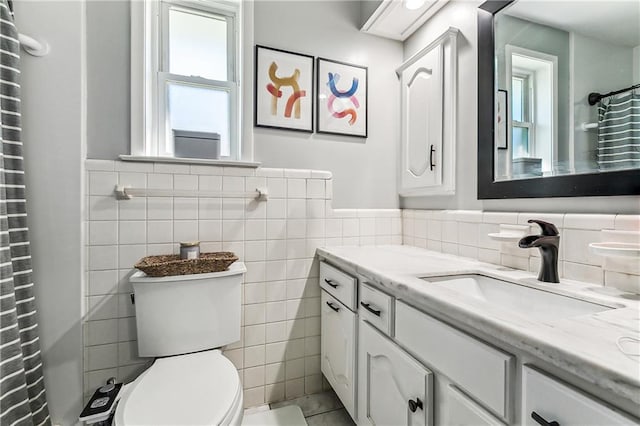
{"points": [[548, 243]]}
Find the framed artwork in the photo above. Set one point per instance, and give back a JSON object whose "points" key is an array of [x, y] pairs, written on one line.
{"points": [[502, 119], [342, 98], [283, 90]]}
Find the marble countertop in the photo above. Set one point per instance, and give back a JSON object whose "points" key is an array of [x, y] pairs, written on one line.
{"points": [[587, 345]]}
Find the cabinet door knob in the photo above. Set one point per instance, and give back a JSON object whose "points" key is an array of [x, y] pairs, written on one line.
{"points": [[368, 307], [331, 283], [414, 405], [335, 308], [541, 420]]}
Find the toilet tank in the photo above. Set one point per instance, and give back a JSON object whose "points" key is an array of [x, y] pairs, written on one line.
{"points": [[187, 313]]}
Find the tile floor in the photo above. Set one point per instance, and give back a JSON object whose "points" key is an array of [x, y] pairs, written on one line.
{"points": [[320, 409]]}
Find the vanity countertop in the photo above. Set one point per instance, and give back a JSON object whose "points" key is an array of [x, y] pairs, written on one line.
{"points": [[587, 345]]}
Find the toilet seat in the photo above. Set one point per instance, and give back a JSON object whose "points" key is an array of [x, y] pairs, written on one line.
{"points": [[201, 388]]}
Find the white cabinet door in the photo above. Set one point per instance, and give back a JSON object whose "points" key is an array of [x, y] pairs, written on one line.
{"points": [[338, 349], [393, 388], [462, 411], [422, 111], [546, 400], [428, 94]]}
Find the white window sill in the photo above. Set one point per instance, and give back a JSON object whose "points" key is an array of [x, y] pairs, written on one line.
{"points": [[197, 161]]}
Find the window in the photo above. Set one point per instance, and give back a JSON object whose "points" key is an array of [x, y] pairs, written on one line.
{"points": [[532, 80], [185, 79], [522, 115]]}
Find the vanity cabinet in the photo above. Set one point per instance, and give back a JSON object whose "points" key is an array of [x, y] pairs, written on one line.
{"points": [[481, 370], [393, 364], [338, 335], [393, 388]]}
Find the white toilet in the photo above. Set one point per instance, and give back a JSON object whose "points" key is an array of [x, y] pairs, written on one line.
{"points": [[180, 321]]}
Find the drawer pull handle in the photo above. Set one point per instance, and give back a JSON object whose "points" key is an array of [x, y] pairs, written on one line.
{"points": [[331, 283], [414, 405], [368, 307], [541, 421], [335, 308]]}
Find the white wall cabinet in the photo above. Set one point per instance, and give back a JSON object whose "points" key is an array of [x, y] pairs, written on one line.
{"points": [[393, 388], [428, 109], [338, 350]]}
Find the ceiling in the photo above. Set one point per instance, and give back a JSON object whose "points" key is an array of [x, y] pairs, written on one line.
{"points": [[613, 21]]}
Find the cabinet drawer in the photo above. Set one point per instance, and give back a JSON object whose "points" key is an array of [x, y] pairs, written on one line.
{"points": [[477, 368], [462, 411], [340, 285], [555, 401], [338, 349], [377, 308]]}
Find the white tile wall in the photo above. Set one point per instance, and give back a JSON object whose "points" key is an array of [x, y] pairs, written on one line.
{"points": [[465, 233], [278, 354]]}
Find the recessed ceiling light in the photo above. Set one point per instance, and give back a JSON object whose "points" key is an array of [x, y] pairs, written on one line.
{"points": [[413, 4]]}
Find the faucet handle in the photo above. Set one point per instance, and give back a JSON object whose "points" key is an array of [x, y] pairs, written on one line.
{"points": [[548, 229]]}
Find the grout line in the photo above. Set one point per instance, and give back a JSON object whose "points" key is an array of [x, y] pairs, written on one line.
{"points": [[326, 412]]}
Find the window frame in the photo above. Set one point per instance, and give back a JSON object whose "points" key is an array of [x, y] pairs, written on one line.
{"points": [[528, 108], [149, 76]]}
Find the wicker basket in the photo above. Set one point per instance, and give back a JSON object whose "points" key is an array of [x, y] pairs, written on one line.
{"points": [[167, 265]]}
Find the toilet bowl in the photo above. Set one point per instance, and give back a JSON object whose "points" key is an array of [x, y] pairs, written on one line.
{"points": [[181, 320], [202, 388]]}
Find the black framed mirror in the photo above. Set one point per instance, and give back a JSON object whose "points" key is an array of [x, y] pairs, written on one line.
{"points": [[558, 182]]}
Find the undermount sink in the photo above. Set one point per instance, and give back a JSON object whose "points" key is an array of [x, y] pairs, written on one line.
{"points": [[534, 303]]}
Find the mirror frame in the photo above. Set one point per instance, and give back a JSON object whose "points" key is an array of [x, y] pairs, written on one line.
{"points": [[624, 182]]}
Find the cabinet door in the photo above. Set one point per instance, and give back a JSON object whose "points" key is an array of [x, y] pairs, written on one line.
{"points": [[422, 121], [464, 412], [546, 400], [338, 349], [393, 388]]}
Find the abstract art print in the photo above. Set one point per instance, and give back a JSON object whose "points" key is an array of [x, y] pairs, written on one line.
{"points": [[283, 90], [342, 98]]}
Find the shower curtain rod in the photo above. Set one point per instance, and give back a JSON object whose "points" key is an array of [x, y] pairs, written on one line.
{"points": [[595, 97]]}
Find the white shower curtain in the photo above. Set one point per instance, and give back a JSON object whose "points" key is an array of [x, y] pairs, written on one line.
{"points": [[22, 393]]}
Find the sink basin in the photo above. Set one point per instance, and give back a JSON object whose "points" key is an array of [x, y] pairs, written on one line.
{"points": [[533, 303]]}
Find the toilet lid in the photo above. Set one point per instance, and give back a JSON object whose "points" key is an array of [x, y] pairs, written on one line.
{"points": [[194, 389]]}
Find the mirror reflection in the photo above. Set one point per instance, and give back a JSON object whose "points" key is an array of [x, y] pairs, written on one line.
{"points": [[568, 88]]}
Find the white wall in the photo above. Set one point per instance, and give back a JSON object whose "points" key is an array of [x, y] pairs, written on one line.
{"points": [[52, 101], [364, 170], [463, 15]]}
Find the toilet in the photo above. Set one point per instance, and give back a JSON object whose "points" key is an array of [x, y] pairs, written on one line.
{"points": [[181, 321]]}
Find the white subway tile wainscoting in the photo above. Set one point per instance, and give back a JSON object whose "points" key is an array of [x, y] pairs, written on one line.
{"points": [[465, 233], [278, 355]]}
